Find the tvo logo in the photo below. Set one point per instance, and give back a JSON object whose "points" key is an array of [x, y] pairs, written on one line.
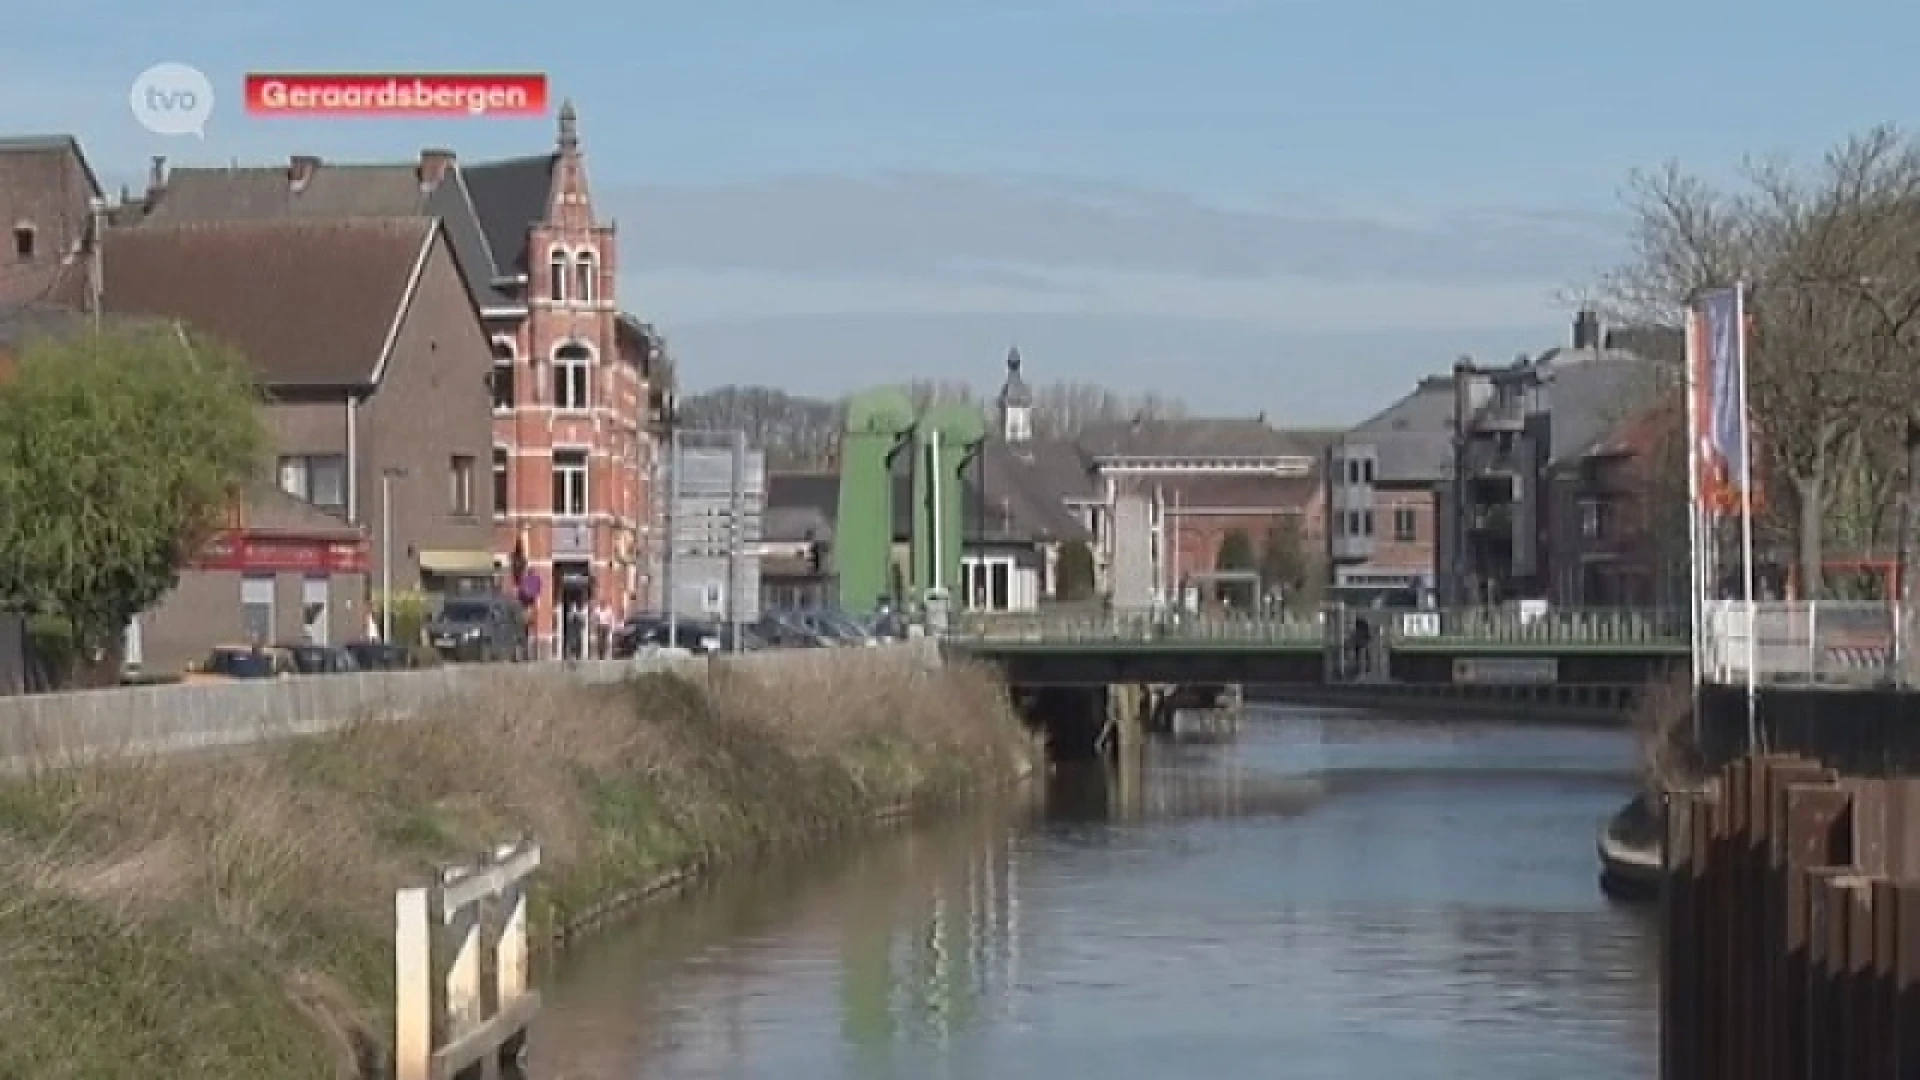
{"points": [[172, 99]]}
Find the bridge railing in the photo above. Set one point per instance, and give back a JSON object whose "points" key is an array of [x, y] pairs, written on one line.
{"points": [[1083, 627], [1573, 627], [1397, 628]]}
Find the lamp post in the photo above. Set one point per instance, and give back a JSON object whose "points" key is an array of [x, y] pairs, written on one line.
{"points": [[387, 476]]}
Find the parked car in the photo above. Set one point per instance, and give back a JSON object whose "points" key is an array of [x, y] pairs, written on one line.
{"points": [[479, 629], [837, 627], [383, 656], [643, 632], [321, 659], [229, 662], [780, 631]]}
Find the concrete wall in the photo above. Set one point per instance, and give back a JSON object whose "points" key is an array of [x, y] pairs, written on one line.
{"points": [[55, 729]]}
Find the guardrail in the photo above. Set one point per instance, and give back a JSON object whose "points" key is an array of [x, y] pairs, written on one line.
{"points": [[1404, 629], [462, 995]]}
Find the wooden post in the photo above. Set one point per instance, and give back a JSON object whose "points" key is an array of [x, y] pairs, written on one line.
{"points": [[473, 1009], [413, 1034]]}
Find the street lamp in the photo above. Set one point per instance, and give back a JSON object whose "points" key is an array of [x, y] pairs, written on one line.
{"points": [[387, 476]]}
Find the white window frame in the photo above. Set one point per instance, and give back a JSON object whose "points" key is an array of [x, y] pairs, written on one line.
{"points": [[976, 581], [585, 472], [586, 272], [501, 468], [559, 273], [510, 361], [1019, 423], [563, 362], [460, 474], [1411, 535]]}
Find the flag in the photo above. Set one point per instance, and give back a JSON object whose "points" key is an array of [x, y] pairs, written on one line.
{"points": [[1719, 426]]}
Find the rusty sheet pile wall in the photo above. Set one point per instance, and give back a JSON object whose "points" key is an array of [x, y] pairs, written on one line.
{"points": [[1792, 915]]}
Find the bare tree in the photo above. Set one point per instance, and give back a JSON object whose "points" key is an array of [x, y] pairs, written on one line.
{"points": [[1832, 257]]}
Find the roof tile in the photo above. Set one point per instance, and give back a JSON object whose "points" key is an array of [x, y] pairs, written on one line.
{"points": [[310, 303]]}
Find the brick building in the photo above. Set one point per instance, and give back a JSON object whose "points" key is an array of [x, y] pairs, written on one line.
{"points": [[1618, 517], [575, 402], [46, 194], [574, 413]]}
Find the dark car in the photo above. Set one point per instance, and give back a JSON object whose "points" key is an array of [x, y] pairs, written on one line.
{"points": [[321, 659], [382, 656], [781, 631], [698, 636], [479, 629]]}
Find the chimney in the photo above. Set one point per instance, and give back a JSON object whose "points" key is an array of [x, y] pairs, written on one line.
{"points": [[156, 179], [433, 167], [1586, 330], [300, 170]]}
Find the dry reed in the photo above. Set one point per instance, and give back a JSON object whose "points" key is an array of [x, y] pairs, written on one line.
{"points": [[230, 916]]}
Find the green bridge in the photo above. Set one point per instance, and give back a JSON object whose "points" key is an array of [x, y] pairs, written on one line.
{"points": [[1477, 646]]}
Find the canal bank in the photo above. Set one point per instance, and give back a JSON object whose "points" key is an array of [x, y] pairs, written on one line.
{"points": [[1331, 895], [232, 917]]}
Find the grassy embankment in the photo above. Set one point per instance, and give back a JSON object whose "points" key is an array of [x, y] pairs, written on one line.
{"points": [[232, 918]]}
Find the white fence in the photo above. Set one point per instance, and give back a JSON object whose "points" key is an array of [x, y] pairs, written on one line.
{"points": [[463, 1000], [1831, 643]]}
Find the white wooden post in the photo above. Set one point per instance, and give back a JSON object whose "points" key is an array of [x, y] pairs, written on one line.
{"points": [[447, 1016], [413, 1035]]}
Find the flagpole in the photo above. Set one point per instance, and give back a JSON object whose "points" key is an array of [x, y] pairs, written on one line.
{"points": [[1746, 521], [1696, 569]]}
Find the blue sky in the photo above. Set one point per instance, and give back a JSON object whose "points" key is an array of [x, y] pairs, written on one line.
{"points": [[1288, 206]]}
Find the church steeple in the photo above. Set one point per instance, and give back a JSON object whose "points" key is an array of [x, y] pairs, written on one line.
{"points": [[569, 140], [1016, 403]]}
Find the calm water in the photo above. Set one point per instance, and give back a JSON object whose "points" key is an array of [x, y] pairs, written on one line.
{"points": [[1329, 897]]}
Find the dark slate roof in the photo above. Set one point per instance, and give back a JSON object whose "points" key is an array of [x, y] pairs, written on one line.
{"points": [[310, 303], [1021, 497], [509, 197], [335, 191], [1596, 391], [1413, 437], [1237, 437]]}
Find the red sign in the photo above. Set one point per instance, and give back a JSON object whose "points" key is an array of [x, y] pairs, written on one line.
{"points": [[253, 554]]}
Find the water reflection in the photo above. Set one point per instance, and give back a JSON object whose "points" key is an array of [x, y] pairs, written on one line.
{"points": [[1323, 898]]}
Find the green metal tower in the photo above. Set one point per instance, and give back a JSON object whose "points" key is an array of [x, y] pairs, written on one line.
{"points": [[943, 439], [878, 423]]}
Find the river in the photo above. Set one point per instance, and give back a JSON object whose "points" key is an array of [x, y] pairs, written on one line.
{"points": [[1329, 896]]}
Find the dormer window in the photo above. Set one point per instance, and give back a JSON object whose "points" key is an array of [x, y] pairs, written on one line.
{"points": [[557, 273], [586, 278], [24, 242]]}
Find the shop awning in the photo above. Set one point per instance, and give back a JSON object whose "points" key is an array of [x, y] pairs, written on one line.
{"points": [[457, 563]]}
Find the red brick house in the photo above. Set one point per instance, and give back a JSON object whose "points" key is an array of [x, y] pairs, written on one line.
{"points": [[1618, 516], [574, 412]]}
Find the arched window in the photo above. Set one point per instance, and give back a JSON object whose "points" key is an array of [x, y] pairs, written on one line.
{"points": [[586, 277], [572, 377], [557, 266], [504, 363]]}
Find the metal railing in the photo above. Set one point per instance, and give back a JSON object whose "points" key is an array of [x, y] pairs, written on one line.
{"points": [[1082, 628], [1398, 628], [1817, 643]]}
